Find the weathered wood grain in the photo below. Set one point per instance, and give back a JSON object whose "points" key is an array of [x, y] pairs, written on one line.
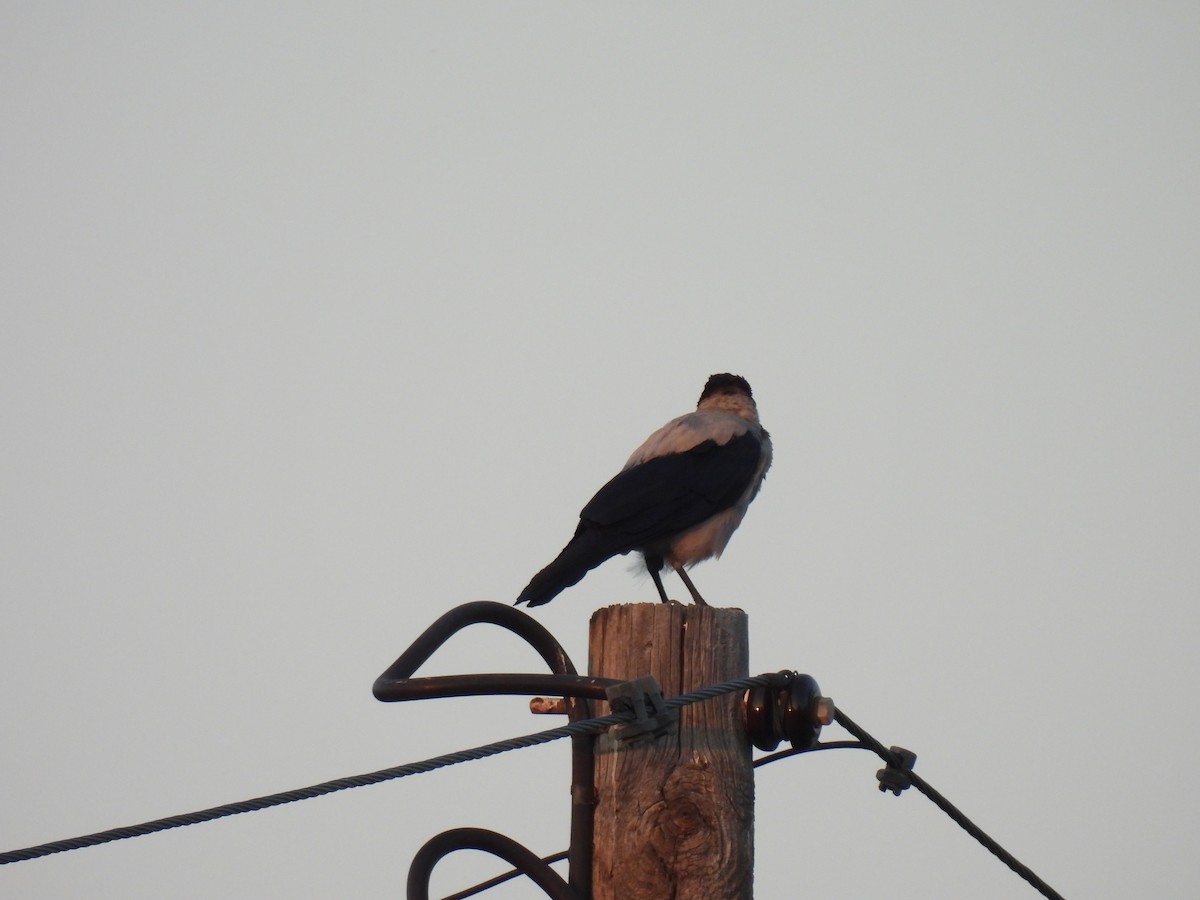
{"points": [[675, 815]]}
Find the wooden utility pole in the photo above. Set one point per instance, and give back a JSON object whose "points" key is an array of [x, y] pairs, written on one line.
{"points": [[675, 814]]}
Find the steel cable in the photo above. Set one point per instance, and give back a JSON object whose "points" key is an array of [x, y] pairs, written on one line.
{"points": [[586, 726], [894, 760]]}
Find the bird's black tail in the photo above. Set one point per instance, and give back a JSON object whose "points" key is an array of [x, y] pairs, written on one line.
{"points": [[586, 550]]}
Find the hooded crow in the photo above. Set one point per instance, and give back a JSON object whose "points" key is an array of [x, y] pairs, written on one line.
{"points": [[679, 498]]}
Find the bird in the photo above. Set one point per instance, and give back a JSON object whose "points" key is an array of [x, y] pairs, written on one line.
{"points": [[678, 499]]}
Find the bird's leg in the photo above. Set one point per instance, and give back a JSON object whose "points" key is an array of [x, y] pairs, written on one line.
{"points": [[691, 587], [654, 562], [662, 592]]}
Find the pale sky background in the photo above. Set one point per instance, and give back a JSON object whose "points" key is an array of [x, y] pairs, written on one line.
{"points": [[318, 322]]}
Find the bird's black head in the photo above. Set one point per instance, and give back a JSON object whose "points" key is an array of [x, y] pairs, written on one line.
{"points": [[725, 383]]}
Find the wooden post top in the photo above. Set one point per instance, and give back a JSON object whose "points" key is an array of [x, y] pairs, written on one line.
{"points": [[674, 815]]}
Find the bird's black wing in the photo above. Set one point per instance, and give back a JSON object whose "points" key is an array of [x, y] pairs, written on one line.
{"points": [[649, 502], [663, 496]]}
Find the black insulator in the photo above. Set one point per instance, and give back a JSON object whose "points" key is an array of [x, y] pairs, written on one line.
{"points": [[793, 711]]}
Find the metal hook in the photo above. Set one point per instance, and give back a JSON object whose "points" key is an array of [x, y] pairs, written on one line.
{"points": [[517, 855], [398, 684]]}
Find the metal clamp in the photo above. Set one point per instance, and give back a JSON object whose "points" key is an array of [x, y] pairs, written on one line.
{"points": [[642, 697], [896, 776]]}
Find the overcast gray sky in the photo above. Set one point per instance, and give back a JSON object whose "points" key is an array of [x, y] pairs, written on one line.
{"points": [[317, 322]]}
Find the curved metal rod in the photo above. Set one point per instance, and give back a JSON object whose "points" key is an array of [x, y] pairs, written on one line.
{"points": [[522, 858], [438, 686], [475, 889], [397, 683], [449, 624]]}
